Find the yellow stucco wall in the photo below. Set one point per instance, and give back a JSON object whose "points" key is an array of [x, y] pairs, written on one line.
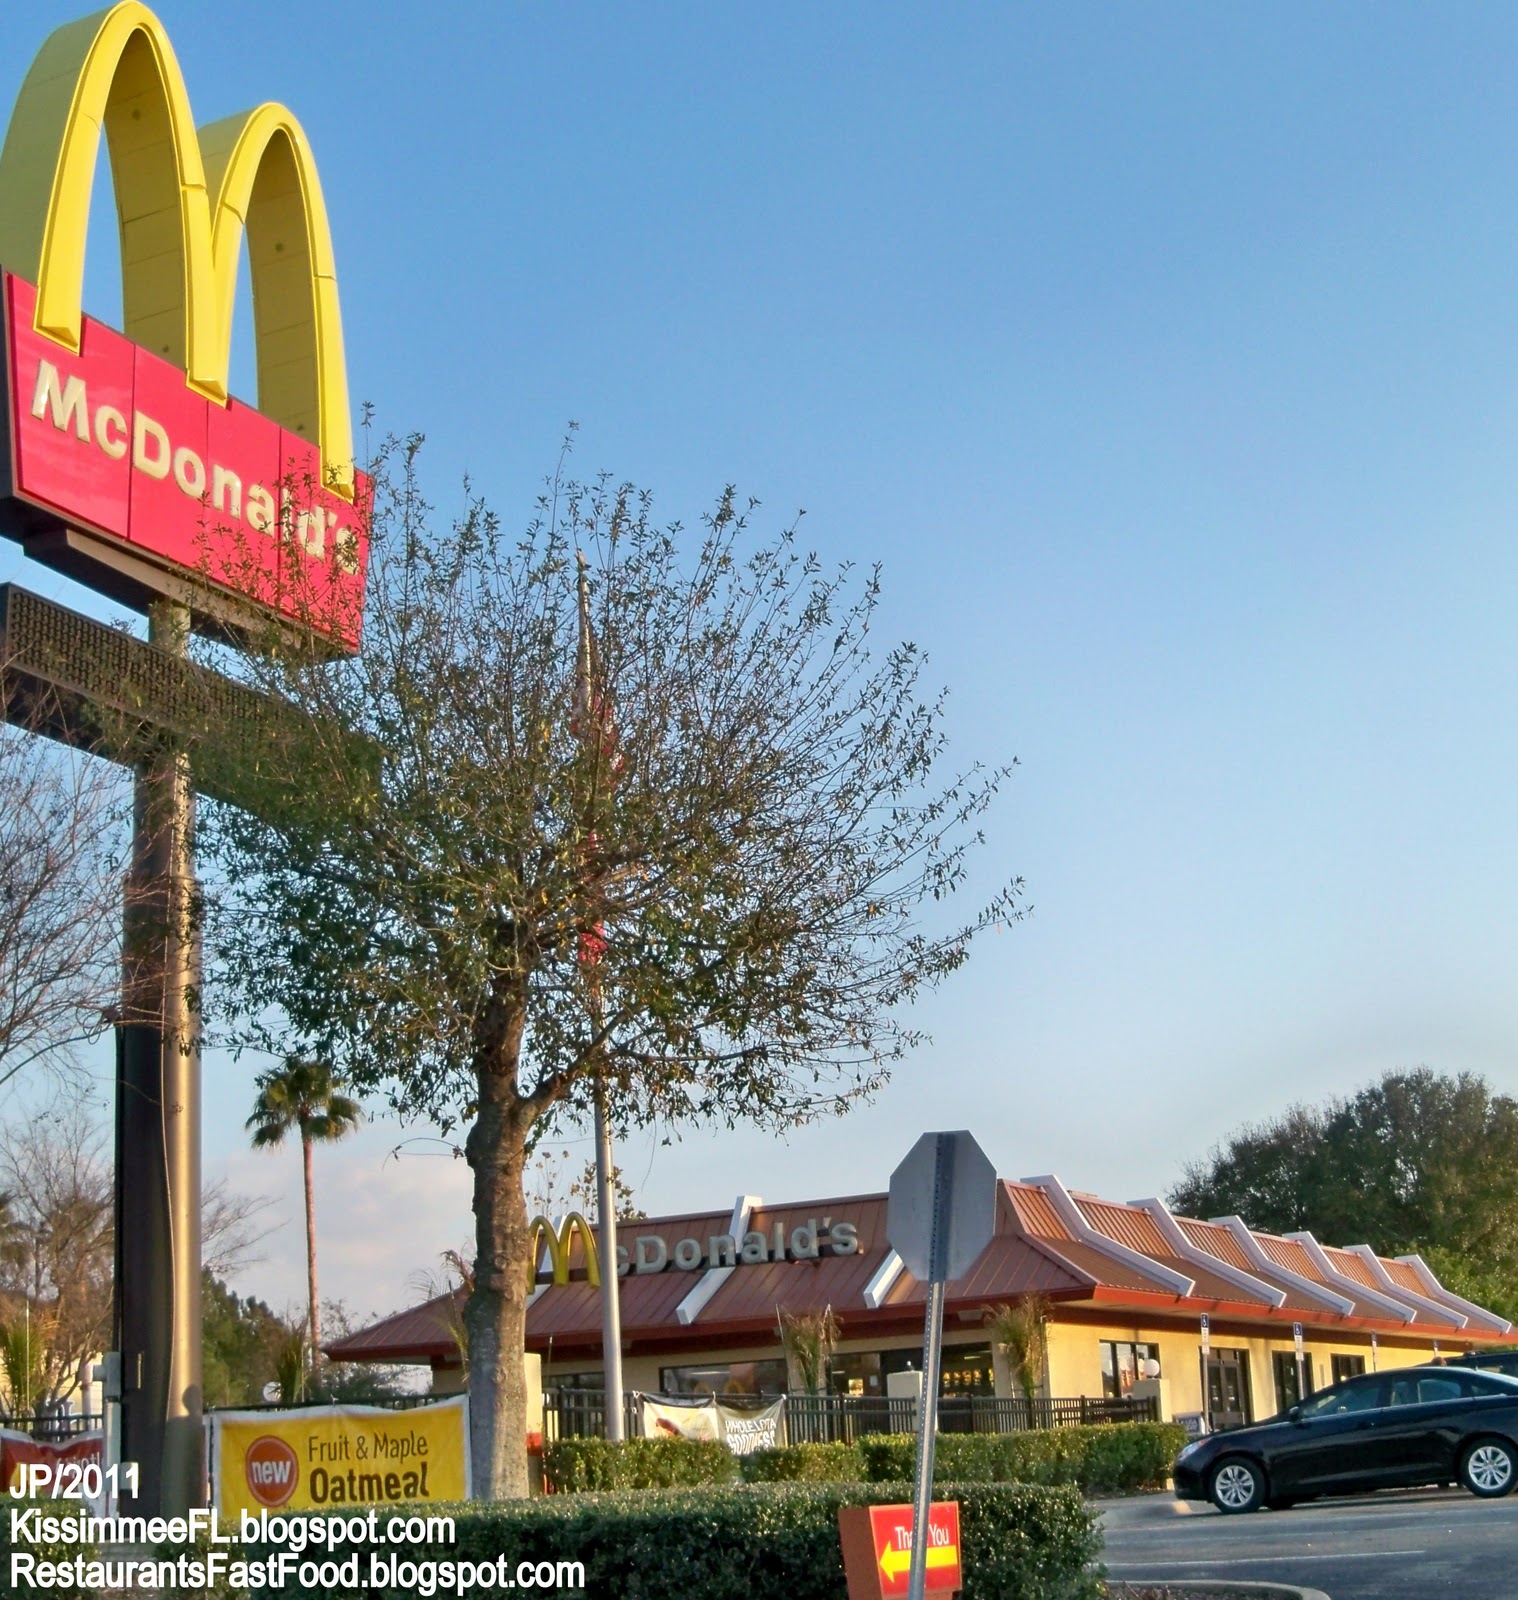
{"points": [[642, 1372], [1075, 1361]]}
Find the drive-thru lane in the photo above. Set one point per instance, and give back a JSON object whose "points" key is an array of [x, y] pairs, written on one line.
{"points": [[1398, 1546]]}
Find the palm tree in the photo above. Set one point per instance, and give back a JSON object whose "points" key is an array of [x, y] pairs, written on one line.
{"points": [[304, 1097]]}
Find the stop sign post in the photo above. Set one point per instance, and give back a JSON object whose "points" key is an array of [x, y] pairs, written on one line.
{"points": [[940, 1216]]}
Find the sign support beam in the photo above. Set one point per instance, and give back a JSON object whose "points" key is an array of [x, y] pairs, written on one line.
{"points": [[157, 1288]]}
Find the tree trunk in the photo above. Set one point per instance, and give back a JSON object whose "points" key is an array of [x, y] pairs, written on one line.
{"points": [[495, 1318], [316, 1352]]}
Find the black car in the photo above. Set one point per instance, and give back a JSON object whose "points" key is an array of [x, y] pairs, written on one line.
{"points": [[1504, 1361], [1381, 1430]]}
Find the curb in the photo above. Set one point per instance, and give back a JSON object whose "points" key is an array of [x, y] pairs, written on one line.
{"points": [[1228, 1586]]}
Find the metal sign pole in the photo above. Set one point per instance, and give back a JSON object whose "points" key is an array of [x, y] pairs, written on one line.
{"points": [[940, 1216], [157, 1289], [611, 1287], [927, 1436], [1206, 1374], [927, 1411]]}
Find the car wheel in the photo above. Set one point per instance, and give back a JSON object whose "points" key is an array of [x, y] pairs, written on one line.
{"points": [[1489, 1468], [1237, 1485]]}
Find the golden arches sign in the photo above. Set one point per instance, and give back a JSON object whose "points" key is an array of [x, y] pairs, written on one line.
{"points": [[559, 1242], [184, 199]]}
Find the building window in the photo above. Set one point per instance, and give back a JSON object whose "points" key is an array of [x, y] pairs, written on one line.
{"points": [[1288, 1392], [1123, 1364], [737, 1377], [575, 1380], [967, 1370], [1347, 1367]]}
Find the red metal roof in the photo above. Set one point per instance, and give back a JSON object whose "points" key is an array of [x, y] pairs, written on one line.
{"points": [[1353, 1266], [423, 1333], [1289, 1254], [1404, 1275], [1219, 1241], [1033, 1251], [1008, 1267], [1035, 1211], [1136, 1229]]}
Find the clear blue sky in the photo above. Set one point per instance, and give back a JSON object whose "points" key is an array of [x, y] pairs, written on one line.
{"points": [[1166, 355]]}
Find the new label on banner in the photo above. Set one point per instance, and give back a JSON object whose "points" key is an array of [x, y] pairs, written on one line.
{"points": [[312, 1460]]}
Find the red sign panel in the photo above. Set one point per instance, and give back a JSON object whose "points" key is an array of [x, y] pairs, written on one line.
{"points": [[111, 441], [877, 1549], [17, 1451]]}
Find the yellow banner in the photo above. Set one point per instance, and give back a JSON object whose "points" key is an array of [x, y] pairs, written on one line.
{"points": [[332, 1456]]}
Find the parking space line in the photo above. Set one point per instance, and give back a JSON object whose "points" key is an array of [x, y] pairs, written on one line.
{"points": [[1250, 1561]]}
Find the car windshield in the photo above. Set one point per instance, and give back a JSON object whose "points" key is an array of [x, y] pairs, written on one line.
{"points": [[1342, 1398]]}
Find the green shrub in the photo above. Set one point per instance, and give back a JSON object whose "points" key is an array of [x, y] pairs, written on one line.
{"points": [[1108, 1459], [751, 1542], [573, 1466], [803, 1463], [43, 1549]]}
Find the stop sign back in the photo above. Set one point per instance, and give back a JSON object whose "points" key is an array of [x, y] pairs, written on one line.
{"points": [[942, 1207]]}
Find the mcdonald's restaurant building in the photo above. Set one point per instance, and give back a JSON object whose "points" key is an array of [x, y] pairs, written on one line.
{"points": [[1127, 1288]]}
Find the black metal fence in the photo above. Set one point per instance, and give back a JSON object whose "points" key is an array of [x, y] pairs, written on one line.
{"points": [[581, 1414], [53, 1425], [843, 1418]]}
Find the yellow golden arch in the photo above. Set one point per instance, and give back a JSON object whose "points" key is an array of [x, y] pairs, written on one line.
{"points": [[560, 1241], [183, 200]]}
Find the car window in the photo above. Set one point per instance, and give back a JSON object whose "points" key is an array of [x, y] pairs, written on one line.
{"points": [[1343, 1398], [1505, 1364], [1424, 1389]]}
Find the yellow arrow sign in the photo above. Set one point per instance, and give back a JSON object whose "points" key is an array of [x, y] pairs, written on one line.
{"points": [[894, 1562]]}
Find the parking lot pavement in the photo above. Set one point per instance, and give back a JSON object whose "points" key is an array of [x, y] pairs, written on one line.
{"points": [[1402, 1546]]}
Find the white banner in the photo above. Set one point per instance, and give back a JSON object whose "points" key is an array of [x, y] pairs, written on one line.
{"points": [[751, 1430], [704, 1417]]}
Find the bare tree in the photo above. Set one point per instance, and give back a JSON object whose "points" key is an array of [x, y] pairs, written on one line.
{"points": [[61, 843], [56, 1271], [57, 1247]]}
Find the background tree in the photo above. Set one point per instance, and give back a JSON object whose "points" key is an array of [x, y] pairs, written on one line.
{"points": [[1415, 1162], [554, 1187], [57, 1248], [303, 1098], [55, 1274], [238, 1336], [1018, 1331], [61, 858], [809, 1339], [748, 818]]}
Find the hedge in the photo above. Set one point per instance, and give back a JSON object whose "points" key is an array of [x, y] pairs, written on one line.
{"points": [[1110, 1458], [43, 1549], [573, 1466], [750, 1542], [803, 1463]]}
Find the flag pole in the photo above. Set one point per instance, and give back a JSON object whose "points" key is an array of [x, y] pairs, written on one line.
{"points": [[606, 1209]]}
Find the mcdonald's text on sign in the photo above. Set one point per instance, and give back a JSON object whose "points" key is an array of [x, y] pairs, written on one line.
{"points": [[128, 463], [877, 1549], [112, 440]]}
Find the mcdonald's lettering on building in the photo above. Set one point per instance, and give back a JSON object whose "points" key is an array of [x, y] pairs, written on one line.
{"points": [[128, 463]]}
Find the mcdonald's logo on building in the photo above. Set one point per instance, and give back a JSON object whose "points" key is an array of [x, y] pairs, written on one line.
{"points": [[558, 1244], [129, 464]]}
